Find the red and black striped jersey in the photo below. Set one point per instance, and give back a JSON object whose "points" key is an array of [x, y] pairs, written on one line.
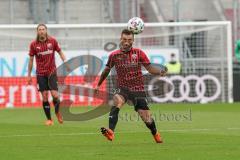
{"points": [[44, 53], [128, 68]]}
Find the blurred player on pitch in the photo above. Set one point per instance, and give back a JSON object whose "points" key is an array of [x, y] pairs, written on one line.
{"points": [[43, 49], [127, 62]]}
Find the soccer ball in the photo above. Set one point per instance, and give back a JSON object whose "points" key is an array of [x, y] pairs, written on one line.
{"points": [[136, 25]]}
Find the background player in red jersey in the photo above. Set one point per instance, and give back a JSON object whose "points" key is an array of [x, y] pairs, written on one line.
{"points": [[127, 62], [43, 49]]}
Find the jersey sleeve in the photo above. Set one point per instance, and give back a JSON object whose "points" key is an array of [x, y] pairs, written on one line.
{"points": [[110, 62], [144, 59], [57, 46], [32, 51]]}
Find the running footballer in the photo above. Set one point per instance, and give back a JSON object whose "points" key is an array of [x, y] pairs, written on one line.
{"points": [[127, 62]]}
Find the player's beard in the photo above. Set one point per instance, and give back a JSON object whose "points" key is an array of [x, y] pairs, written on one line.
{"points": [[42, 37], [125, 48]]}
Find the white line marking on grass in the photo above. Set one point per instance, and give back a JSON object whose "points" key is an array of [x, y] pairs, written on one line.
{"points": [[124, 132], [233, 128], [41, 135]]}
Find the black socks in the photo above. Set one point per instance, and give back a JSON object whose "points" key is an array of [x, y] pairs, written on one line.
{"points": [[47, 111], [113, 117], [56, 103], [152, 127]]}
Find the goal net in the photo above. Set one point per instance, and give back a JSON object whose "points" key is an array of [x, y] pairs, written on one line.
{"points": [[201, 50]]}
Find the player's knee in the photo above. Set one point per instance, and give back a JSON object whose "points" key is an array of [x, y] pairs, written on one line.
{"points": [[45, 99], [45, 96], [55, 95], [118, 101]]}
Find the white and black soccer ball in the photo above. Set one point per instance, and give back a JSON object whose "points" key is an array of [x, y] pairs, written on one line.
{"points": [[136, 25]]}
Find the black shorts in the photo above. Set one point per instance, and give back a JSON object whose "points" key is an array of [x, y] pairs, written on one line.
{"points": [[46, 83], [138, 99]]}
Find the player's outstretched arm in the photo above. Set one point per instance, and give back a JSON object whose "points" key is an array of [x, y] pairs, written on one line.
{"points": [[30, 66], [156, 71], [103, 76]]}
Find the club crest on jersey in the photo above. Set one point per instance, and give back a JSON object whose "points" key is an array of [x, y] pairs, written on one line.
{"points": [[38, 48], [49, 45], [134, 58]]}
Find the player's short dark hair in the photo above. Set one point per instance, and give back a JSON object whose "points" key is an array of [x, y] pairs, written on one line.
{"points": [[41, 24], [127, 32]]}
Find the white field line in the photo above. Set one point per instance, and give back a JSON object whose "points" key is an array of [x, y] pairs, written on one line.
{"points": [[94, 133]]}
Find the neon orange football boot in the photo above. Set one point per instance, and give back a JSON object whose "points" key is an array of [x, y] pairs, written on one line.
{"points": [[108, 133], [157, 138], [49, 123], [59, 117]]}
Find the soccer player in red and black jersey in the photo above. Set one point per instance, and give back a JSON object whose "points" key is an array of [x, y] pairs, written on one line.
{"points": [[127, 62], [43, 49]]}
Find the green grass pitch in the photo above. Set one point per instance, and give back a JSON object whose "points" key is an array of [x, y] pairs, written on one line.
{"points": [[190, 131]]}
